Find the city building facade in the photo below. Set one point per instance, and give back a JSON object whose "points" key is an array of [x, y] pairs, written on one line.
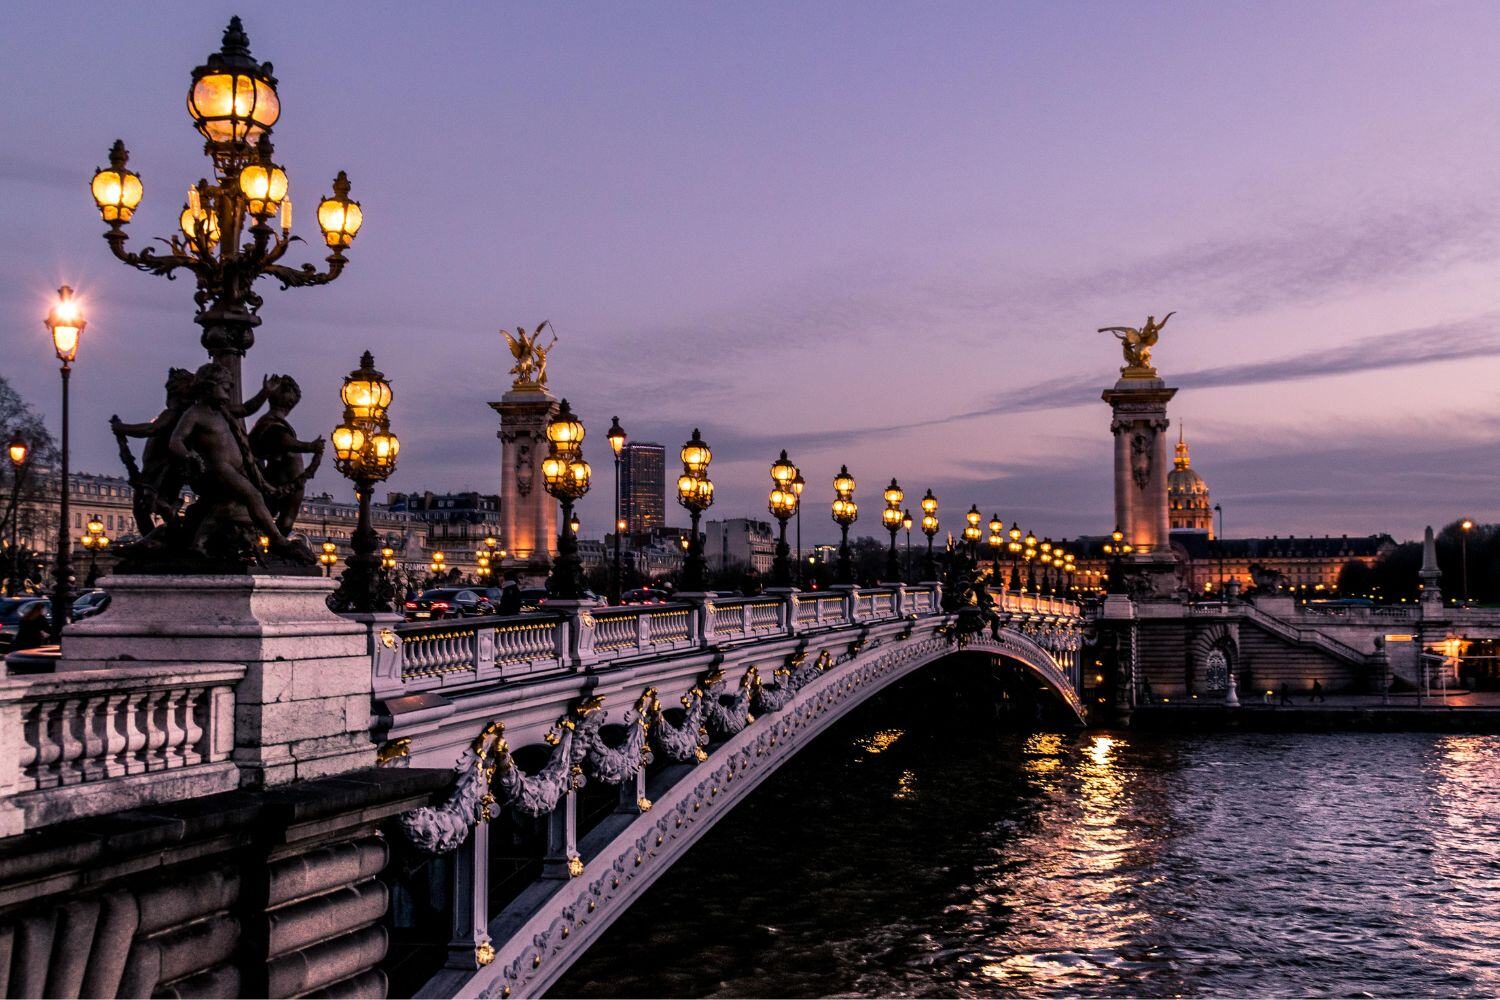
{"points": [[739, 543]]}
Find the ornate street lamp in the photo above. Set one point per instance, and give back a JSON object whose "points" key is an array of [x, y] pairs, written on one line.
{"points": [[783, 504], [19, 453], [798, 485], [997, 544], [95, 540], [892, 517], [695, 492], [66, 324], [387, 558], [616, 438], [930, 528], [907, 522], [845, 513], [1028, 554], [972, 534], [567, 475], [438, 565], [228, 238], [1014, 546], [1116, 548], [329, 557], [364, 450]]}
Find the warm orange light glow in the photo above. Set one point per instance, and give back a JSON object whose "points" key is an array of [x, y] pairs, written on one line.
{"points": [[66, 323]]}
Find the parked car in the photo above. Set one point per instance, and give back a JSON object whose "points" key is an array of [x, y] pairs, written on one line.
{"points": [[11, 610], [89, 603], [448, 602]]}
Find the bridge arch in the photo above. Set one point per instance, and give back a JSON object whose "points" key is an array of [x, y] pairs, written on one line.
{"points": [[541, 933]]}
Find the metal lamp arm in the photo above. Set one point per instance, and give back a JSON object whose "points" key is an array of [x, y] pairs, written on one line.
{"points": [[307, 275], [147, 260]]}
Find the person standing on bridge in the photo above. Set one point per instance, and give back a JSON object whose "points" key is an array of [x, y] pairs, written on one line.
{"points": [[1286, 693], [1317, 691], [510, 596]]}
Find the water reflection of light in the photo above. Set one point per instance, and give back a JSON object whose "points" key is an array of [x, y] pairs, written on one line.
{"points": [[880, 741], [1464, 849], [906, 786], [1075, 905]]}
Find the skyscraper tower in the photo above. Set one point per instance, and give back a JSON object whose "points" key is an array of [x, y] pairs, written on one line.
{"points": [[643, 486]]}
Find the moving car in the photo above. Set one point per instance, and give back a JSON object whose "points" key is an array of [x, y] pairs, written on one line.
{"points": [[448, 602]]}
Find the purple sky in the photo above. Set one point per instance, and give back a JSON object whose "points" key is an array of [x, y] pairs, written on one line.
{"points": [[871, 233]]}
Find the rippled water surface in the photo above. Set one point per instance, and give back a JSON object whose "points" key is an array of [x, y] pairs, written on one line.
{"points": [[912, 856]]}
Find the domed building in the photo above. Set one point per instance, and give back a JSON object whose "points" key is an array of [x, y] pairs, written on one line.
{"points": [[1188, 505]]}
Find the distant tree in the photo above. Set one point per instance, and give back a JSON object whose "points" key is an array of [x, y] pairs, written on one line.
{"points": [[1356, 577], [29, 505]]}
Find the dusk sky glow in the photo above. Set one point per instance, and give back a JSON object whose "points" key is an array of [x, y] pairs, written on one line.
{"points": [[875, 234]]}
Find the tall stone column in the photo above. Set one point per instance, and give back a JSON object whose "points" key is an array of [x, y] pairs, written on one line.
{"points": [[1139, 424], [528, 514]]}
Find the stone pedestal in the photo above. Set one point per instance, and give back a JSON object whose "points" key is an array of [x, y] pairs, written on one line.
{"points": [[528, 515], [303, 707], [1139, 424]]}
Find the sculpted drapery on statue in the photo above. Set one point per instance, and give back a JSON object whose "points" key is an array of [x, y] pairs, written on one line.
{"points": [[247, 489], [1136, 345], [530, 368]]}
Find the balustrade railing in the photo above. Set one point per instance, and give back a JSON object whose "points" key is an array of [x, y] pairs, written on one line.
{"points": [[419, 657], [73, 740]]}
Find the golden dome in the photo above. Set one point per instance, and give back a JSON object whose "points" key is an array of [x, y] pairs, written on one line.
{"points": [[1188, 505]]}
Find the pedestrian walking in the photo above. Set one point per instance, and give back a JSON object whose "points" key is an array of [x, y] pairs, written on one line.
{"points": [[1317, 691], [1286, 693]]}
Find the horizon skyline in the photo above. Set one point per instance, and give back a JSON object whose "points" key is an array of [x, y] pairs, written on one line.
{"points": [[697, 243]]}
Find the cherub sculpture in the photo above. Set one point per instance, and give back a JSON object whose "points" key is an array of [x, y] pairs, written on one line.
{"points": [[530, 368], [279, 451], [1137, 344], [231, 508], [158, 481]]}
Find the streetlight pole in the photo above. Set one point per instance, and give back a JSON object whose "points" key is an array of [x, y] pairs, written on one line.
{"points": [[616, 437], [1464, 527], [1219, 510], [845, 513], [906, 522], [66, 323], [19, 452], [365, 451], [930, 528], [799, 483], [1014, 546], [892, 517], [567, 475], [695, 492], [783, 504]]}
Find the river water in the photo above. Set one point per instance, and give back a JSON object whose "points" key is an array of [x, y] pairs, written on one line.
{"points": [[942, 853]]}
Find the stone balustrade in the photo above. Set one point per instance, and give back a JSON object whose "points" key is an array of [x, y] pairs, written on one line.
{"points": [[87, 742], [411, 658]]}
